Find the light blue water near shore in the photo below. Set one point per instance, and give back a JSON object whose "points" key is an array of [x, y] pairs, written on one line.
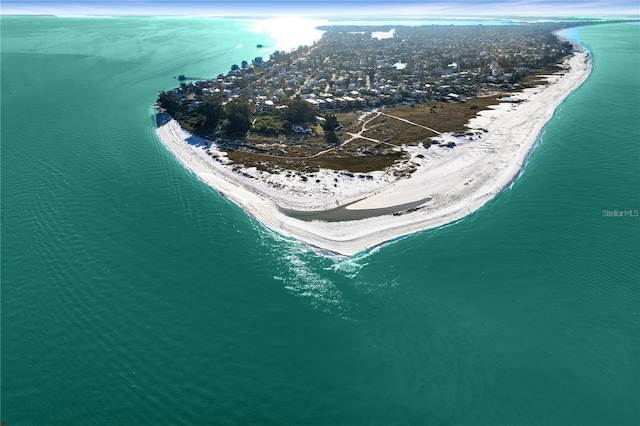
{"points": [[132, 293]]}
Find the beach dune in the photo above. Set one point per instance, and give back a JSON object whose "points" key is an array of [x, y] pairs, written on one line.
{"points": [[345, 214]]}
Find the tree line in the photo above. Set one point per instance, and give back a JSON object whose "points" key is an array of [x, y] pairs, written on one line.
{"points": [[208, 115]]}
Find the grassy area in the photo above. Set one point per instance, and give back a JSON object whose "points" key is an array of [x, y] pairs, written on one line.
{"points": [[442, 117], [294, 152], [445, 116]]}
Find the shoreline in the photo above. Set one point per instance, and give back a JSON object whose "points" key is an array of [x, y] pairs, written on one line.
{"points": [[452, 183]]}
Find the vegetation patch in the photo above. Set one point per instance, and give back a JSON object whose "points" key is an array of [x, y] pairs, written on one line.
{"points": [[338, 160]]}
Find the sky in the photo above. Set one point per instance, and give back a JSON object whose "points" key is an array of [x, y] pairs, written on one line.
{"points": [[329, 8]]}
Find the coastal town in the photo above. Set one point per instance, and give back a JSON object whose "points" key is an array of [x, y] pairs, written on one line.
{"points": [[373, 132], [291, 94]]}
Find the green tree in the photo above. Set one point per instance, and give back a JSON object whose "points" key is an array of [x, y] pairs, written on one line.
{"points": [[330, 122], [169, 102], [332, 139], [239, 116], [300, 111], [329, 125], [213, 111], [268, 124]]}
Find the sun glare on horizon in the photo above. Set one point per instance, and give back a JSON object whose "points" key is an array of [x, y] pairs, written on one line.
{"points": [[289, 32]]}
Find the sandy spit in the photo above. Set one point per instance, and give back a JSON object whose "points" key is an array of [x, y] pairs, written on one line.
{"points": [[448, 184]]}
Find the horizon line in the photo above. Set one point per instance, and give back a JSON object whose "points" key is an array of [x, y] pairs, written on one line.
{"points": [[330, 16]]}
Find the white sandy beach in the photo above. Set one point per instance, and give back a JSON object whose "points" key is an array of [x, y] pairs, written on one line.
{"points": [[447, 185]]}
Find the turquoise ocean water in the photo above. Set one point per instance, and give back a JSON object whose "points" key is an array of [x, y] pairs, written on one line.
{"points": [[133, 294]]}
